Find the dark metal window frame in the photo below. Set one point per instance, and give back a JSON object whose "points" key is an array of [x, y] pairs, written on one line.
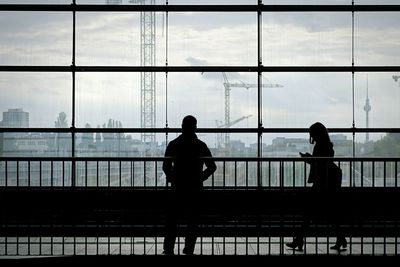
{"points": [[259, 8]]}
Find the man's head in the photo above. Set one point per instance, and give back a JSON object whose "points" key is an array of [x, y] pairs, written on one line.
{"points": [[189, 124]]}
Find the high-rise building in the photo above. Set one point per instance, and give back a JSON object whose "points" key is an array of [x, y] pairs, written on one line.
{"points": [[15, 118]]}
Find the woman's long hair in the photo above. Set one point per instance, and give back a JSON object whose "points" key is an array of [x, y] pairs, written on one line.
{"points": [[319, 134]]}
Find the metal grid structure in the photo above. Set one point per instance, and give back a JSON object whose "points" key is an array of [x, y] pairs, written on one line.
{"points": [[130, 173], [77, 169]]}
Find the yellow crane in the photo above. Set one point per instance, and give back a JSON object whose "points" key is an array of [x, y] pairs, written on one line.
{"points": [[228, 86]]}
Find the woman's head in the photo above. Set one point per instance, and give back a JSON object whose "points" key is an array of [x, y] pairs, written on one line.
{"points": [[319, 133]]}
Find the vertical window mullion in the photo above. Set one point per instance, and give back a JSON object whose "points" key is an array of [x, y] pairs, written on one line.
{"points": [[259, 92], [73, 92]]}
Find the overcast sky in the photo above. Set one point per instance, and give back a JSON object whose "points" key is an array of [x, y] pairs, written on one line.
{"points": [[212, 39]]}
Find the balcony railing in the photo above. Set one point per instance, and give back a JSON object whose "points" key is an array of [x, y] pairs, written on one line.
{"points": [[144, 176], [147, 172]]}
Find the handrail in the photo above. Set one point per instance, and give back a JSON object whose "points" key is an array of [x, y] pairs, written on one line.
{"points": [[250, 159]]}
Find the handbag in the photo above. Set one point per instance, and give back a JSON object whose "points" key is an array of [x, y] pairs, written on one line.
{"points": [[335, 176]]}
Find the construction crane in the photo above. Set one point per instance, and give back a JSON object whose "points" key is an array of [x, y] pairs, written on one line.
{"points": [[228, 86], [220, 125], [147, 79]]}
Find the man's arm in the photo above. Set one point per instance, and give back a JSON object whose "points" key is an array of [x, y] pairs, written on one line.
{"points": [[167, 164], [210, 164]]}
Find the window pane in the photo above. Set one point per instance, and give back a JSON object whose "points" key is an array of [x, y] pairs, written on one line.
{"points": [[203, 96], [380, 173], [307, 2], [113, 100], [35, 99], [35, 144], [240, 145], [212, 39], [123, 144], [33, 2], [296, 173], [378, 145], [289, 145], [307, 98], [212, 2], [383, 100], [376, 38], [172, 2], [115, 39], [36, 38], [310, 39], [115, 173], [375, 2]]}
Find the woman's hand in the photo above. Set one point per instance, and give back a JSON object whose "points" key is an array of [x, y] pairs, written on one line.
{"points": [[304, 155]]}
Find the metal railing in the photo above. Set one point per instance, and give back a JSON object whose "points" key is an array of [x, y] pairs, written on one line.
{"points": [[239, 173], [147, 172]]}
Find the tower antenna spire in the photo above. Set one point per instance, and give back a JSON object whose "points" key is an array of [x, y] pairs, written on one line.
{"points": [[367, 109]]}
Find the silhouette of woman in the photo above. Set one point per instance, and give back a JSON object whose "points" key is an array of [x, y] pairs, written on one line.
{"points": [[321, 177]]}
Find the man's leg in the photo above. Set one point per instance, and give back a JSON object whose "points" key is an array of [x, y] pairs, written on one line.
{"points": [[191, 236], [170, 229], [192, 220]]}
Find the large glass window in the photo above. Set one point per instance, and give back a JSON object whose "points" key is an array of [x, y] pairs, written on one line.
{"points": [[241, 73]]}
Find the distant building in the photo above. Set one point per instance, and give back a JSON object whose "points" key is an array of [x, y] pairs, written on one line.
{"points": [[15, 118], [237, 147], [287, 147], [113, 2], [343, 147]]}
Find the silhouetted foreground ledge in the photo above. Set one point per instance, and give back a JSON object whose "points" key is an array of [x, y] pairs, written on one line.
{"points": [[222, 260]]}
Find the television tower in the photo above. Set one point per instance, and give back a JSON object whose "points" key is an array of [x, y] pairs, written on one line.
{"points": [[367, 109]]}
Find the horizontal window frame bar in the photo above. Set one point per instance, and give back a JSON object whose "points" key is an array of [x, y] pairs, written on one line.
{"points": [[199, 130], [218, 159], [10, 68], [199, 8]]}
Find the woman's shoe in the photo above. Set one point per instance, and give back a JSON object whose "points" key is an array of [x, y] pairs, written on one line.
{"points": [[341, 244], [297, 243]]}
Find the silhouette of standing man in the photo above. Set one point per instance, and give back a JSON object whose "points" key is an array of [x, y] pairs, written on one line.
{"points": [[186, 156]]}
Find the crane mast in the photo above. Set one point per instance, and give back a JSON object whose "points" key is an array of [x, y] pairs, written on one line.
{"points": [[147, 79]]}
